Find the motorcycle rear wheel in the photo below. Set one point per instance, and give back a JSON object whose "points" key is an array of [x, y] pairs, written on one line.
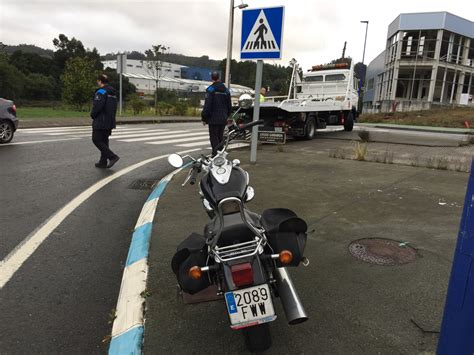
{"points": [[258, 338]]}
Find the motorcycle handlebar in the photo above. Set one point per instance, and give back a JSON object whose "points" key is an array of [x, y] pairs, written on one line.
{"points": [[192, 179]]}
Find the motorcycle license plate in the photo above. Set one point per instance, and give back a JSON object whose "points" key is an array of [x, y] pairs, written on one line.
{"points": [[250, 306]]}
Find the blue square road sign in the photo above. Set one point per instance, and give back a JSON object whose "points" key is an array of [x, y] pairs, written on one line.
{"points": [[262, 33]]}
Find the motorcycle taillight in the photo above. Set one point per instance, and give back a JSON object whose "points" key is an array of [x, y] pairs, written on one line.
{"points": [[242, 274]]}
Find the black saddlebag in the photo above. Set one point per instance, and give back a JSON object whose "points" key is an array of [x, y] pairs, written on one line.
{"points": [[285, 231], [191, 252]]}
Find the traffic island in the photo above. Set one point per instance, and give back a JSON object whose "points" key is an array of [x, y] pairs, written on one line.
{"points": [[354, 306]]}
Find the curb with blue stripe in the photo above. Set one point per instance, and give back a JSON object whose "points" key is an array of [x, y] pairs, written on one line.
{"points": [[128, 327]]}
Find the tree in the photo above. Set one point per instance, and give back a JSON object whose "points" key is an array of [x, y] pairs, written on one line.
{"points": [[40, 87], [153, 64], [78, 80], [114, 80], [66, 49], [11, 79]]}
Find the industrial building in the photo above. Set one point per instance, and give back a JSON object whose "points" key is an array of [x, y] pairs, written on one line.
{"points": [[428, 61], [169, 76]]}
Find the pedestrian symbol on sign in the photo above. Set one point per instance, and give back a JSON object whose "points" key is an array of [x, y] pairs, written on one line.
{"points": [[260, 39]]}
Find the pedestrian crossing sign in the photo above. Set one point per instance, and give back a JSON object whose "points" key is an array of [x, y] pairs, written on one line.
{"points": [[262, 32]]}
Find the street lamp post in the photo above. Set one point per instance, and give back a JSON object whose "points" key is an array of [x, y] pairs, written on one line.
{"points": [[229, 40], [363, 54]]}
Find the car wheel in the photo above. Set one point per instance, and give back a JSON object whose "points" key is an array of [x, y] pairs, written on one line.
{"points": [[6, 132], [349, 122]]}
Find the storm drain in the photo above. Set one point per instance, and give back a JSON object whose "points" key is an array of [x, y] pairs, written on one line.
{"points": [[143, 184], [382, 251]]}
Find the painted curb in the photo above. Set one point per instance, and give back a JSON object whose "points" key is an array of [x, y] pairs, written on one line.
{"points": [[128, 326]]}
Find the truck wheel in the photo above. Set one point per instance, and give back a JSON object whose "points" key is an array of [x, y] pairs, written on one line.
{"points": [[258, 338], [349, 122], [310, 129]]}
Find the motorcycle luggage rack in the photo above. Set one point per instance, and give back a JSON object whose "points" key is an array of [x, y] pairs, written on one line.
{"points": [[237, 251]]}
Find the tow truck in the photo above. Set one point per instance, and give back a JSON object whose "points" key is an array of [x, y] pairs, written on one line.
{"points": [[324, 95]]}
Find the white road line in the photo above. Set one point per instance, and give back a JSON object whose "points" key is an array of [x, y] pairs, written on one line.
{"points": [[172, 141], [52, 129], [43, 141], [161, 137], [113, 133], [196, 144], [72, 129], [141, 134], [15, 259], [236, 145]]}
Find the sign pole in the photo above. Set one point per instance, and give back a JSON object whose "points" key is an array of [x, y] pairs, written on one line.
{"points": [[256, 112], [457, 329], [120, 66]]}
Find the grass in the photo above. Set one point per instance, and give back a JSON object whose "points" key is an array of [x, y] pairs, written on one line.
{"points": [[48, 112], [437, 117], [39, 113]]}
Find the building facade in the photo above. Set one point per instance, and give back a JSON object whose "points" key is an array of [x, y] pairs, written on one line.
{"points": [[169, 76], [428, 61]]}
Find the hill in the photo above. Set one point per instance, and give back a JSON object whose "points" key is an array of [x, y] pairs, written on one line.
{"points": [[26, 48]]}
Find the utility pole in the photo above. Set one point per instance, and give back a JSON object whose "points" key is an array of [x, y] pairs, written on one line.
{"points": [[344, 50]]}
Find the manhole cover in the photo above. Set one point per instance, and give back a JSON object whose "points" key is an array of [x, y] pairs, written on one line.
{"points": [[143, 184], [382, 251]]}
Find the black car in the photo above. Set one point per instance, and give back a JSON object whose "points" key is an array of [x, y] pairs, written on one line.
{"points": [[8, 120]]}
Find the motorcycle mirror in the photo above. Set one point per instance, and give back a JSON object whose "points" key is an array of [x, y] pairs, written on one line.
{"points": [[175, 160], [245, 101], [250, 194]]}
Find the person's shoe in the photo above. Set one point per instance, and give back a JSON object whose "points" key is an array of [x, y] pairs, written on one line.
{"points": [[100, 165], [113, 161]]}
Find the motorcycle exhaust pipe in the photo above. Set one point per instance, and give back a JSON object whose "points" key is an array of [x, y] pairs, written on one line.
{"points": [[294, 310]]}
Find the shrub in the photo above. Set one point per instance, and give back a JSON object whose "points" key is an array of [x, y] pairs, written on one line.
{"points": [[138, 105], [180, 108]]}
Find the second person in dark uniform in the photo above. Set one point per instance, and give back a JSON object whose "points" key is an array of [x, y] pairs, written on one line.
{"points": [[216, 111]]}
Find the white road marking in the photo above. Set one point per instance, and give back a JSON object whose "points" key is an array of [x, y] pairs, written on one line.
{"points": [[172, 141], [195, 144], [15, 259], [140, 134], [160, 137], [52, 129], [69, 129], [43, 141]]}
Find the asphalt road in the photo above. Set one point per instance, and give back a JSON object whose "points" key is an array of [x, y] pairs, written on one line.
{"points": [[60, 299], [353, 307]]}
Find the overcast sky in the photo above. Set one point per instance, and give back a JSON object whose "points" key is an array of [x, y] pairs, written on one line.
{"points": [[314, 30]]}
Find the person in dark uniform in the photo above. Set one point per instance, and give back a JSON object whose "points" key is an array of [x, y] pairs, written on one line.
{"points": [[217, 108], [103, 113]]}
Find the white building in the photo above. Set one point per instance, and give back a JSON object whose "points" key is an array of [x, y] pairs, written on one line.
{"points": [[169, 77], [428, 61]]}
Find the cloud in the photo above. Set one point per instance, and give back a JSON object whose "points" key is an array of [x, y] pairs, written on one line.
{"points": [[314, 30]]}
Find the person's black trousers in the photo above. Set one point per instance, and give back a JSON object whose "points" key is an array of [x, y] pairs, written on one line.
{"points": [[216, 136], [100, 138]]}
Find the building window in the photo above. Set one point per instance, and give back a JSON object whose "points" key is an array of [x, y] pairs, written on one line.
{"points": [[421, 46], [409, 43], [370, 84]]}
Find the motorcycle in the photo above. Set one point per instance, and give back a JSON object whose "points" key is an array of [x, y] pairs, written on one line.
{"points": [[243, 254]]}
